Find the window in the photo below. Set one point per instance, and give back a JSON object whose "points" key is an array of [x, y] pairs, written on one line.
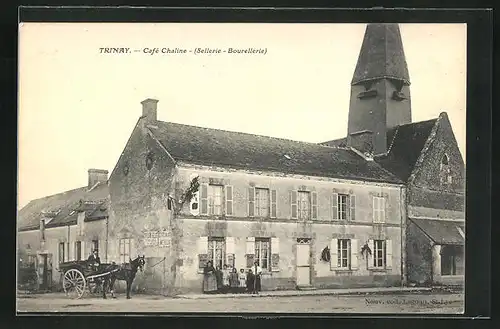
{"points": [[95, 245], [263, 252], [342, 206], [78, 250], [378, 209], [215, 200], [445, 172], [379, 254], [125, 250], [217, 251], [303, 204], [344, 253], [61, 252], [261, 202]]}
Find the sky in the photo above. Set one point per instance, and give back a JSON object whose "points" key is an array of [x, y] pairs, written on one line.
{"points": [[77, 106]]}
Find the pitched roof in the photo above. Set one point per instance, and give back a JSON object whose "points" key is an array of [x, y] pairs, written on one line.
{"points": [[341, 142], [405, 144], [381, 55], [247, 151], [64, 206], [441, 231]]}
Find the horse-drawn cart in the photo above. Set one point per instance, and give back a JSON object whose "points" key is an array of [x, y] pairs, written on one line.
{"points": [[78, 276]]}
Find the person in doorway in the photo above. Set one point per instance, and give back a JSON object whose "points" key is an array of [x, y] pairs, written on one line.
{"points": [[242, 278], [218, 276], [250, 282], [209, 279], [257, 283], [225, 279], [233, 281]]}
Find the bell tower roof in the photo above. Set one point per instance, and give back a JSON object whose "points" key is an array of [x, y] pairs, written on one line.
{"points": [[381, 55]]}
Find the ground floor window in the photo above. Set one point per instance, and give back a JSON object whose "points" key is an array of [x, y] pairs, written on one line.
{"points": [[78, 250], [217, 251], [125, 250], [344, 253], [263, 252], [61, 252], [379, 253], [452, 260]]}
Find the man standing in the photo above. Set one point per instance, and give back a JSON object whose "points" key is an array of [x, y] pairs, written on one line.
{"points": [[257, 271]]}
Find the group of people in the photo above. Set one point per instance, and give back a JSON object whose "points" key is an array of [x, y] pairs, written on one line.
{"points": [[228, 280]]}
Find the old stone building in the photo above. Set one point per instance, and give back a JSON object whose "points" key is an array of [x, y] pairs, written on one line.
{"points": [[64, 227], [275, 201], [424, 155], [382, 206]]}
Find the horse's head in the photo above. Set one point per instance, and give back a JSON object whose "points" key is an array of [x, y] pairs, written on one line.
{"points": [[139, 263]]}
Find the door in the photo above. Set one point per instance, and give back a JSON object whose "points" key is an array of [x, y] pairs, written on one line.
{"points": [[303, 257]]}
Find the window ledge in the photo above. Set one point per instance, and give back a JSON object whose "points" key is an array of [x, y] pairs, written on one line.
{"points": [[344, 270], [379, 270]]}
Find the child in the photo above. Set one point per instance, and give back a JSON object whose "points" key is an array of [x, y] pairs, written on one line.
{"points": [[243, 280]]}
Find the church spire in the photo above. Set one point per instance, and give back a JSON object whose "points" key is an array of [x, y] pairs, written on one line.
{"points": [[380, 90], [381, 55]]}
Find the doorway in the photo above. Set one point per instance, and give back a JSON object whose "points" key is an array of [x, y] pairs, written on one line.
{"points": [[303, 257]]}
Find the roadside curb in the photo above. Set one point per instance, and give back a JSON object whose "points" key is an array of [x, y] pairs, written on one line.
{"points": [[340, 292]]}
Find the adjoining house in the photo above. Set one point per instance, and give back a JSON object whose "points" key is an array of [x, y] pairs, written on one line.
{"points": [[63, 227], [376, 208]]}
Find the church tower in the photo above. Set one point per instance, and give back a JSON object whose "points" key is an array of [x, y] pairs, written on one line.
{"points": [[380, 89]]}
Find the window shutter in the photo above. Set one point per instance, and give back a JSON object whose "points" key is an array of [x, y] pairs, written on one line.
{"points": [[203, 245], [352, 207], [314, 206], [334, 254], [382, 210], [371, 259], [83, 251], [250, 252], [388, 254], [354, 254], [230, 251], [335, 206], [293, 202], [132, 250], [251, 201], [275, 254], [375, 211], [204, 199], [229, 200], [274, 201]]}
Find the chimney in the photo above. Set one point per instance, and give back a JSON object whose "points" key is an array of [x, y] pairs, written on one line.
{"points": [[97, 176], [149, 109]]}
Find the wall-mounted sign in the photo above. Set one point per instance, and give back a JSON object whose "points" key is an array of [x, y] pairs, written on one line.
{"points": [[165, 242]]}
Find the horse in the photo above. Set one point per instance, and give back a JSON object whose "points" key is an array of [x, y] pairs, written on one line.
{"points": [[125, 272]]}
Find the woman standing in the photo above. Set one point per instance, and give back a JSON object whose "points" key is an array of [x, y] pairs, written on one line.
{"points": [[233, 281], [209, 279], [218, 278]]}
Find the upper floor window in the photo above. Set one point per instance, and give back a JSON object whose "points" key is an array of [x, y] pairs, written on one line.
{"points": [[261, 202], [378, 209], [343, 206], [303, 205]]}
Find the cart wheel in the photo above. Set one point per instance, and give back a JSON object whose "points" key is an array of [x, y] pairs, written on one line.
{"points": [[74, 283]]}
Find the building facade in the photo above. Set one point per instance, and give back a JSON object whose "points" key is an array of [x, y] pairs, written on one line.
{"points": [[382, 207]]}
